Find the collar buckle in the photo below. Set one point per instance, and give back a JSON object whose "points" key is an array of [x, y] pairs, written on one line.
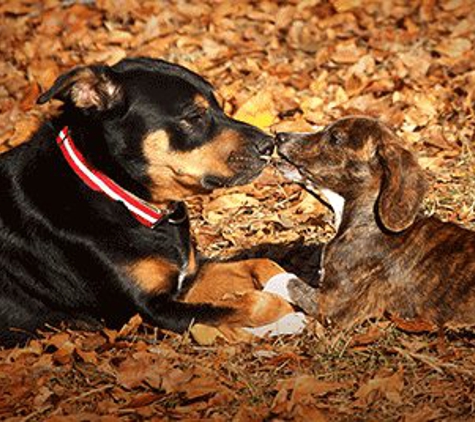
{"points": [[178, 214]]}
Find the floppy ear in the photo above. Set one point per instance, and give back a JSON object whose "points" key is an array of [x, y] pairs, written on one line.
{"points": [[91, 87], [403, 187]]}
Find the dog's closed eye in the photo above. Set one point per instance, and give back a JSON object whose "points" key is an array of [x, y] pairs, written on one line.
{"points": [[337, 138], [193, 117]]}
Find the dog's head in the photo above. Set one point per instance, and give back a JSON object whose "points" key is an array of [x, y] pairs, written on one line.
{"points": [[358, 157], [162, 126]]}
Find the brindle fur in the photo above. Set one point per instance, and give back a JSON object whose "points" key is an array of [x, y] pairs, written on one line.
{"points": [[385, 257]]}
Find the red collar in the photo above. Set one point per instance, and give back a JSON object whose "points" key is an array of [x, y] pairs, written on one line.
{"points": [[144, 212]]}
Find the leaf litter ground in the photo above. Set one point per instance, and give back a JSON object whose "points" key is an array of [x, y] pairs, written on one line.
{"points": [[292, 65]]}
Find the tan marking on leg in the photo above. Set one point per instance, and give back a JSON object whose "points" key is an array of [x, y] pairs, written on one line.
{"points": [[217, 280], [153, 275], [255, 308], [264, 269], [237, 285], [192, 265]]}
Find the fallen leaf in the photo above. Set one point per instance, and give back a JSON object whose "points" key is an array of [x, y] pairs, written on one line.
{"points": [[132, 373], [372, 335], [389, 387], [205, 335], [413, 325], [454, 47], [258, 111], [342, 6]]}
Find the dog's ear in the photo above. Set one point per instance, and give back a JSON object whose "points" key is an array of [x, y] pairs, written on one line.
{"points": [[402, 189], [91, 87]]}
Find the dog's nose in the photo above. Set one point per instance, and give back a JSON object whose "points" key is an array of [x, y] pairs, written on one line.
{"points": [[282, 137], [265, 146]]}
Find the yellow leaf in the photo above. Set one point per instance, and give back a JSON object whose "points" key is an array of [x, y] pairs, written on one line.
{"points": [[342, 6], [258, 111]]}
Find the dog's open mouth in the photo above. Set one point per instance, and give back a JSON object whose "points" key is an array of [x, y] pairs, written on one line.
{"points": [[289, 169], [296, 174]]}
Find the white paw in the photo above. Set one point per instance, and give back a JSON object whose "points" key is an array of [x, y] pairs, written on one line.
{"points": [[279, 285], [293, 323]]}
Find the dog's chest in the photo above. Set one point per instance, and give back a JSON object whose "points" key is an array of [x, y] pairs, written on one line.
{"points": [[164, 257]]}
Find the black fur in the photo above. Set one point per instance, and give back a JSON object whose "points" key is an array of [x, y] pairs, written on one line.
{"points": [[63, 247]]}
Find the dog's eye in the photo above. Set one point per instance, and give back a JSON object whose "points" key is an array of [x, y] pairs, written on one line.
{"points": [[336, 138], [192, 119]]}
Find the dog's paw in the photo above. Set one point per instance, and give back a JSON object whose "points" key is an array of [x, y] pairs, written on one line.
{"points": [[293, 323], [279, 285], [303, 296], [294, 291]]}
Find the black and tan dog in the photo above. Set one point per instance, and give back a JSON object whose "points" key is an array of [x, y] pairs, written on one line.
{"points": [[90, 226], [385, 256]]}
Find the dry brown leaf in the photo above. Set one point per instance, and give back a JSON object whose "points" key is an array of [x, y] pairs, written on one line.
{"points": [[24, 129], [454, 47], [389, 387], [87, 357], [424, 413], [347, 53], [230, 201], [131, 327], [29, 100], [413, 325], [346, 5], [309, 204], [203, 386], [306, 413], [372, 335], [205, 335], [64, 354], [176, 380], [305, 386], [131, 373]]}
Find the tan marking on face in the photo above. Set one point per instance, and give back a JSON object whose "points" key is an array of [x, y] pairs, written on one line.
{"points": [[176, 174], [153, 274], [201, 102]]}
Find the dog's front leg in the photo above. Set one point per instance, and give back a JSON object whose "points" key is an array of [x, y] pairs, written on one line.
{"points": [[155, 279], [165, 312], [239, 285], [304, 296]]}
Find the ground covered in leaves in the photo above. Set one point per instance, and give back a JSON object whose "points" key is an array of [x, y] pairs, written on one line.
{"points": [[288, 65]]}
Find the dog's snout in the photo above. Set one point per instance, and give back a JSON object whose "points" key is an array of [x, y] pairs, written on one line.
{"points": [[282, 137], [265, 146]]}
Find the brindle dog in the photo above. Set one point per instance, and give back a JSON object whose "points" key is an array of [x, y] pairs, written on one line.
{"points": [[385, 255]]}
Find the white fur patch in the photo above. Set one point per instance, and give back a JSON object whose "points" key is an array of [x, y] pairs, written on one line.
{"points": [[293, 323], [279, 285], [181, 279], [337, 202], [289, 171]]}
